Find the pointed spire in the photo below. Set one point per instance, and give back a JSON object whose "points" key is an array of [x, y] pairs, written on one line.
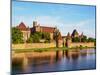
{"points": [[68, 35]]}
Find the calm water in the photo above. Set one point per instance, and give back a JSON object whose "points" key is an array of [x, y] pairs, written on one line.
{"points": [[49, 61]]}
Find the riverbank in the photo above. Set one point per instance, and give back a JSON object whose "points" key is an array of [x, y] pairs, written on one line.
{"points": [[47, 49]]}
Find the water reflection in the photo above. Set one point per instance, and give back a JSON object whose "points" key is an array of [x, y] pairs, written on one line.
{"points": [[54, 61]]}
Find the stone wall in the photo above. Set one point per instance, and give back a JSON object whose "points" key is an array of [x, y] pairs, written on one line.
{"points": [[33, 45], [90, 44], [48, 45]]}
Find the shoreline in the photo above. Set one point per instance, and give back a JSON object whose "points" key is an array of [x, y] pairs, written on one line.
{"points": [[47, 49]]}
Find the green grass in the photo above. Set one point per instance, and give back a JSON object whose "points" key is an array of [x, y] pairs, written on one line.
{"points": [[47, 49]]}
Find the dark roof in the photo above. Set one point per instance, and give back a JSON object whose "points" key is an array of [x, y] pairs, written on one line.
{"points": [[74, 32], [22, 27]]}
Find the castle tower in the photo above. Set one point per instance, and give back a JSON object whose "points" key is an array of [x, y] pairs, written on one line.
{"points": [[68, 40], [34, 23], [36, 27]]}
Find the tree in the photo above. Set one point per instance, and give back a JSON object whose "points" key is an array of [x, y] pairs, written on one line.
{"points": [[30, 40], [34, 38], [17, 36], [91, 39], [75, 39], [46, 36], [84, 39]]}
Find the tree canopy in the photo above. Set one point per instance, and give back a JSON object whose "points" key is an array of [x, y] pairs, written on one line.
{"points": [[17, 36], [37, 36]]}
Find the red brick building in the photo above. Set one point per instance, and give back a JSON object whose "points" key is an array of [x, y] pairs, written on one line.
{"points": [[36, 28]]}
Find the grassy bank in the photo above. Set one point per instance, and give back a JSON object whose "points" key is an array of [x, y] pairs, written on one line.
{"points": [[47, 49]]}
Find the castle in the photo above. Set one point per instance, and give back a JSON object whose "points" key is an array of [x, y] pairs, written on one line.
{"points": [[66, 41], [37, 28]]}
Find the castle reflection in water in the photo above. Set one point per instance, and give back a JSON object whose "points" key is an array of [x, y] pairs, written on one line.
{"points": [[54, 61]]}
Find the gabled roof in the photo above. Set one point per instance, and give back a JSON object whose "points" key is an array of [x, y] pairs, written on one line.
{"points": [[22, 27]]}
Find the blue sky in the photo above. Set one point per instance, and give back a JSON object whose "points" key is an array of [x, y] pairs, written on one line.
{"points": [[66, 17]]}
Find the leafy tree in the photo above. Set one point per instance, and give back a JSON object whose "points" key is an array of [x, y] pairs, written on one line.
{"points": [[84, 39], [39, 34], [34, 38], [30, 40], [91, 39], [46, 36], [75, 39], [17, 36]]}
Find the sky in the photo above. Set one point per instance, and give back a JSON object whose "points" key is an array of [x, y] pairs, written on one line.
{"points": [[66, 17]]}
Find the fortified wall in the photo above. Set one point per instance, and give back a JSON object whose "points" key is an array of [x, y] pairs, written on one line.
{"points": [[34, 45], [89, 44]]}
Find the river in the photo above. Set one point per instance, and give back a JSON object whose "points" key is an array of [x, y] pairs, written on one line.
{"points": [[51, 61]]}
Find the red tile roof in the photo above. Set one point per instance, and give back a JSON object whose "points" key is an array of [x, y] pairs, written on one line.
{"points": [[47, 29], [22, 27]]}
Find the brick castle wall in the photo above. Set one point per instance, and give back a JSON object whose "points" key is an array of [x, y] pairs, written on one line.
{"points": [[90, 44]]}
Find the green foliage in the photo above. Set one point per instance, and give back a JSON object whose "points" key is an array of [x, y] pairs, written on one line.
{"points": [[35, 37], [39, 34], [46, 36], [30, 40], [75, 39], [84, 39], [91, 39], [17, 36]]}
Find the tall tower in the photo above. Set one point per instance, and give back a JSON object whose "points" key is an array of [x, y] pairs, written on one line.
{"points": [[68, 40], [34, 23]]}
